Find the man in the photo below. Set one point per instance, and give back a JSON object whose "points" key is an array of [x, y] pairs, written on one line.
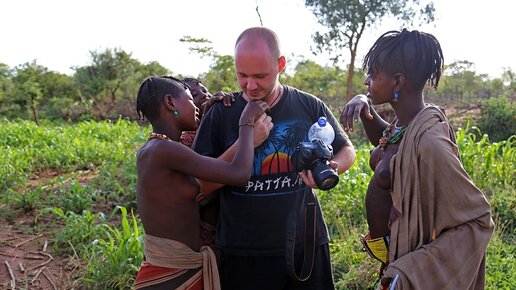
{"points": [[253, 221]]}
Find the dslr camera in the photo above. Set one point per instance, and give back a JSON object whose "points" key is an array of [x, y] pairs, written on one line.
{"points": [[315, 156]]}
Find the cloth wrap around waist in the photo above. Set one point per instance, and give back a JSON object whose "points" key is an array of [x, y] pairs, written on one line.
{"points": [[173, 254]]}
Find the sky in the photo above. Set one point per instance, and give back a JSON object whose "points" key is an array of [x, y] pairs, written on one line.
{"points": [[60, 34]]}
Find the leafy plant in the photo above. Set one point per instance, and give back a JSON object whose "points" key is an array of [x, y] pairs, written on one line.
{"points": [[28, 200], [485, 161], [500, 262], [115, 259], [78, 231], [74, 197], [498, 118]]}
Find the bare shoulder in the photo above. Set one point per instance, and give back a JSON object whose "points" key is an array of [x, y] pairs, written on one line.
{"points": [[162, 153]]}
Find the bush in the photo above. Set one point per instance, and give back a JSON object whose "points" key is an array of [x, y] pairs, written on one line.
{"points": [[498, 118]]}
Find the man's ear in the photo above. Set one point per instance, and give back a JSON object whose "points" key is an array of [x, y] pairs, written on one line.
{"points": [[399, 81], [168, 101], [282, 62]]}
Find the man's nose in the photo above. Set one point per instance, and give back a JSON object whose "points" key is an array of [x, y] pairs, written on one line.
{"points": [[251, 84]]}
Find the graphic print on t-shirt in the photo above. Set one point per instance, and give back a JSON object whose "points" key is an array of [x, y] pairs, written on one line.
{"points": [[272, 168]]}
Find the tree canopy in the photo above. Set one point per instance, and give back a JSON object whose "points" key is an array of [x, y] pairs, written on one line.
{"points": [[347, 20]]}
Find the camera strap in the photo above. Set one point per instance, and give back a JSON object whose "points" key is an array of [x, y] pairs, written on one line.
{"points": [[308, 209]]}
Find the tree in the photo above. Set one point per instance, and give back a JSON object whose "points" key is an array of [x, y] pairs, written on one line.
{"points": [[498, 118], [110, 83], [509, 80], [347, 20], [6, 86], [221, 76], [28, 91], [318, 80], [61, 96], [23, 89], [461, 84], [201, 46]]}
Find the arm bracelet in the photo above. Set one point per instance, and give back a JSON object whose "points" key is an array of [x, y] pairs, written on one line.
{"points": [[202, 199]]}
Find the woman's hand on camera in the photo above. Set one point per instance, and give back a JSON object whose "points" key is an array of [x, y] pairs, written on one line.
{"points": [[353, 110]]}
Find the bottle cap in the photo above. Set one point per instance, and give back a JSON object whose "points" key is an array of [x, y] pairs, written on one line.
{"points": [[322, 121]]}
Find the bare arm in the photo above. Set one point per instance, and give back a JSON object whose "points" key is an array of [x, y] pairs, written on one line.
{"points": [[235, 172], [262, 127], [344, 159]]}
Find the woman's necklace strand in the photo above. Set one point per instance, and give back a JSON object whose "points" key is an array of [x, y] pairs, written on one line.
{"points": [[389, 138], [158, 136]]}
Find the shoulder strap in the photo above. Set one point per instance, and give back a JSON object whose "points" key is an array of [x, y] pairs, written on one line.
{"points": [[309, 217]]}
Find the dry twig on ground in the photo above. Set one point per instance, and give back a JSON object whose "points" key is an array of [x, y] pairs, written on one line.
{"points": [[28, 240], [13, 280]]}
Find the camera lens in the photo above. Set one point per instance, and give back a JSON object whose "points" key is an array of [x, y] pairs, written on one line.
{"points": [[324, 176]]}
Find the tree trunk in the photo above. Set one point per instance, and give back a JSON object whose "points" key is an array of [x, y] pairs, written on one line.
{"points": [[351, 71], [35, 114]]}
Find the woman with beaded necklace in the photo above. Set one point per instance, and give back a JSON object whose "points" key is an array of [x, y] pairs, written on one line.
{"points": [[426, 217], [167, 185]]}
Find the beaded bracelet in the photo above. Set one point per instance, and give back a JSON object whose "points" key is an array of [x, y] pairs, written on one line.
{"points": [[246, 124], [202, 199]]}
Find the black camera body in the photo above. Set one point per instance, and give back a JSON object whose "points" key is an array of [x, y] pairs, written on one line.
{"points": [[315, 156]]}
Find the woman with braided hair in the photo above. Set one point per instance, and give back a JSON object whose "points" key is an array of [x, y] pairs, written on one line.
{"points": [[429, 225], [171, 176]]}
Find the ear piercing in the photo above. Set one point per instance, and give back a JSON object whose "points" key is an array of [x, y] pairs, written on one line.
{"points": [[396, 96]]}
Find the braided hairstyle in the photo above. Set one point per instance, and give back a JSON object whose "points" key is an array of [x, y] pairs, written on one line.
{"points": [[151, 92], [191, 81], [416, 54]]}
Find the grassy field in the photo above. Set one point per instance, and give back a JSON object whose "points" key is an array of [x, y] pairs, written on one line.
{"points": [[71, 187]]}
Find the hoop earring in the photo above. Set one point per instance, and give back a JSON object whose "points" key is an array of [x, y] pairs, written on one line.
{"points": [[396, 96], [176, 114]]}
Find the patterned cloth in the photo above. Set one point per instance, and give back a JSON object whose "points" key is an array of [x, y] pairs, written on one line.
{"points": [[169, 261], [187, 138], [152, 276]]}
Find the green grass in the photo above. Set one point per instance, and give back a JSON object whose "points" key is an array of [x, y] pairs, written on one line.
{"points": [[110, 248]]}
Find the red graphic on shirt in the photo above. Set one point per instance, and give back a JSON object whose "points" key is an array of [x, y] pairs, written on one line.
{"points": [[278, 162]]}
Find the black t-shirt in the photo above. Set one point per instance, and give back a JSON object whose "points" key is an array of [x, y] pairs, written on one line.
{"points": [[253, 218]]}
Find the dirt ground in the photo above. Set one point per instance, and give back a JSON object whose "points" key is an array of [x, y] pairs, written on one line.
{"points": [[27, 256], [29, 262]]}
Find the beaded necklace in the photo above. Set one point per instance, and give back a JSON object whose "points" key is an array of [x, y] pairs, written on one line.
{"points": [[158, 136], [391, 135]]}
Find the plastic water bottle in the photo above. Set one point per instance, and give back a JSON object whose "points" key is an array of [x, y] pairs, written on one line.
{"points": [[321, 130]]}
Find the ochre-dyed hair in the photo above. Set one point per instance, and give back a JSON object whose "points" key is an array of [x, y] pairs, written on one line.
{"points": [[264, 33], [151, 93], [189, 81], [416, 54]]}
